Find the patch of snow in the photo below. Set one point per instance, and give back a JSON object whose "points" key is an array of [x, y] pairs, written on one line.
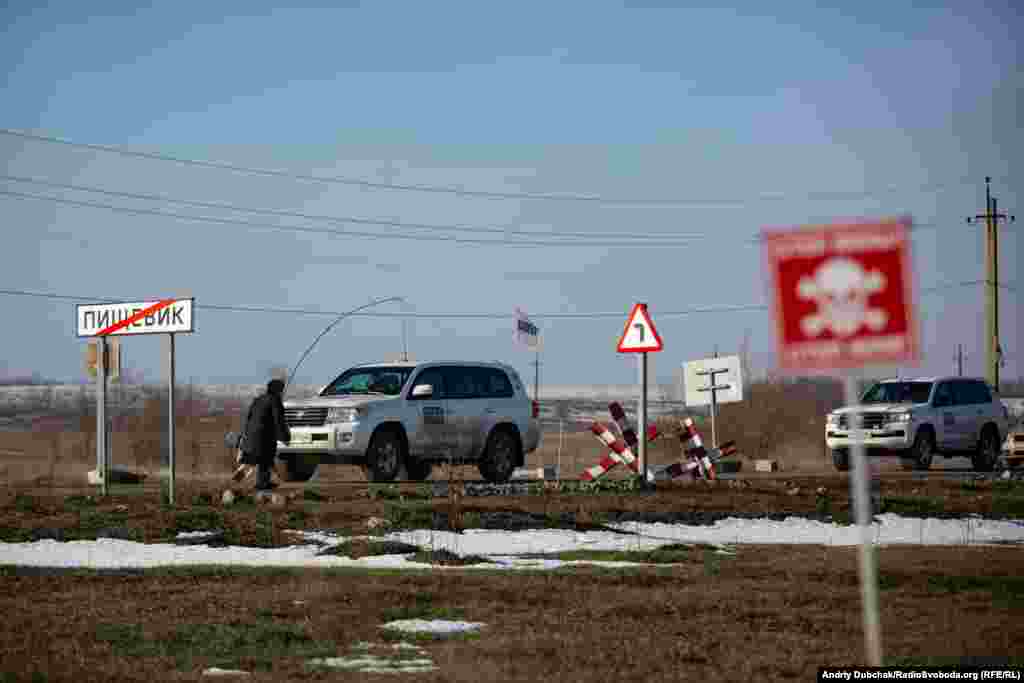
{"points": [[196, 534], [215, 671], [373, 664], [440, 626], [395, 659], [504, 548]]}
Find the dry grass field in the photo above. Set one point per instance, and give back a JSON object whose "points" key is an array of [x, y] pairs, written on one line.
{"points": [[764, 613]]}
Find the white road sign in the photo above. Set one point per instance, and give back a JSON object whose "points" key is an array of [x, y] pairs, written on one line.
{"points": [[698, 377], [146, 317]]}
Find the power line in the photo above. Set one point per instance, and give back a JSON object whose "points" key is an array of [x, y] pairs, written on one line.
{"points": [[722, 308], [503, 242], [482, 194], [505, 230], [336, 232]]}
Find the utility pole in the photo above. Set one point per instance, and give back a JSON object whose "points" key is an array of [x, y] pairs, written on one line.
{"points": [[993, 351], [959, 360], [536, 376]]}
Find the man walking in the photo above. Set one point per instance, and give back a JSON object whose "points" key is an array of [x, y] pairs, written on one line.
{"points": [[264, 427]]}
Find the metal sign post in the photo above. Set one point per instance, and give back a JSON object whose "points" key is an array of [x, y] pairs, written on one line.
{"points": [[714, 389], [166, 316], [867, 266], [102, 461], [642, 419], [169, 465], [862, 512], [640, 336], [698, 390]]}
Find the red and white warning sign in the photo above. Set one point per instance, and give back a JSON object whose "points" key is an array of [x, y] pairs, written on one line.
{"points": [[842, 295], [639, 334]]}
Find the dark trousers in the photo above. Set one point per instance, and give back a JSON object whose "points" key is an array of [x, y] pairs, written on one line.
{"points": [[266, 466]]}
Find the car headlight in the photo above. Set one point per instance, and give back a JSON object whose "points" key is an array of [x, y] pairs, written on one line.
{"points": [[901, 417], [342, 414]]}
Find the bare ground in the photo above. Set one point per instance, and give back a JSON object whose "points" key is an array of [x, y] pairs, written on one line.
{"points": [[769, 613]]}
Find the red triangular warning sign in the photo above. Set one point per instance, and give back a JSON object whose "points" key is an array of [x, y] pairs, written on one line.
{"points": [[639, 334]]}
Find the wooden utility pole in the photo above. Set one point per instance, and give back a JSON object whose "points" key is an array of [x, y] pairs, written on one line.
{"points": [[993, 351]]}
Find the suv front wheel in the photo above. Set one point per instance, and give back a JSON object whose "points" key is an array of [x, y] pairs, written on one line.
{"points": [[499, 460], [921, 453], [987, 455], [384, 456]]}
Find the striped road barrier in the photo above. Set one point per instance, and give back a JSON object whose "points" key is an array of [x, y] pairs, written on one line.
{"points": [[698, 461], [620, 450]]}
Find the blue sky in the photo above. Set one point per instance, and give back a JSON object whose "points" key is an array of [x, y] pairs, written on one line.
{"points": [[905, 108]]}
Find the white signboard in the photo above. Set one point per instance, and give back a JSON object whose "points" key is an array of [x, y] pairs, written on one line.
{"points": [[145, 317], [727, 377], [526, 333]]}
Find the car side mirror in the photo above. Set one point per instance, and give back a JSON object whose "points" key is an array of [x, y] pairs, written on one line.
{"points": [[423, 391]]}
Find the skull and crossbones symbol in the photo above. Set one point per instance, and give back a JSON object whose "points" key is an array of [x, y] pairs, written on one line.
{"points": [[841, 288]]}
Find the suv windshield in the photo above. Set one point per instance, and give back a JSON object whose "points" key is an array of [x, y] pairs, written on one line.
{"points": [[898, 392], [384, 380]]}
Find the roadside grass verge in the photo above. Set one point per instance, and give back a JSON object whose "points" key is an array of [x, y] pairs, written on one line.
{"points": [[447, 558], [913, 505], [255, 645], [1008, 498], [357, 548], [423, 607], [1006, 591], [409, 515], [674, 553]]}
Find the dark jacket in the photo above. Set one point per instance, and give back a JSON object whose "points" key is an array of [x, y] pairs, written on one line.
{"points": [[264, 427]]}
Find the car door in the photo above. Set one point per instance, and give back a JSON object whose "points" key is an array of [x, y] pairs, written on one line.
{"points": [[945, 416], [431, 435], [969, 414], [465, 410], [501, 405], [983, 410]]}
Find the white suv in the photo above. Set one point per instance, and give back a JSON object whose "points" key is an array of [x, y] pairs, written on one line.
{"points": [[918, 418], [399, 419]]}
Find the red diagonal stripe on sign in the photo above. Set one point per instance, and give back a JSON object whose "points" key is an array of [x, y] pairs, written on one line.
{"points": [[135, 318]]}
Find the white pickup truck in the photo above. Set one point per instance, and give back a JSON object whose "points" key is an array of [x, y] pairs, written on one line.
{"points": [[916, 419]]}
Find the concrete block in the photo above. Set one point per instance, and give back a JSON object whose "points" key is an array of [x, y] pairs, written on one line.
{"points": [[522, 473], [728, 466], [118, 475]]}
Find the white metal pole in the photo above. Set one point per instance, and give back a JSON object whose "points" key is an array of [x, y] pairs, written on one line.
{"points": [[558, 457], [714, 412], [102, 468], [169, 465], [862, 508], [641, 428], [714, 405]]}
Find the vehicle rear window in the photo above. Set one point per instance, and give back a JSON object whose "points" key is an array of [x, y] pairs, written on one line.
{"points": [[898, 392], [461, 381], [977, 392]]}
